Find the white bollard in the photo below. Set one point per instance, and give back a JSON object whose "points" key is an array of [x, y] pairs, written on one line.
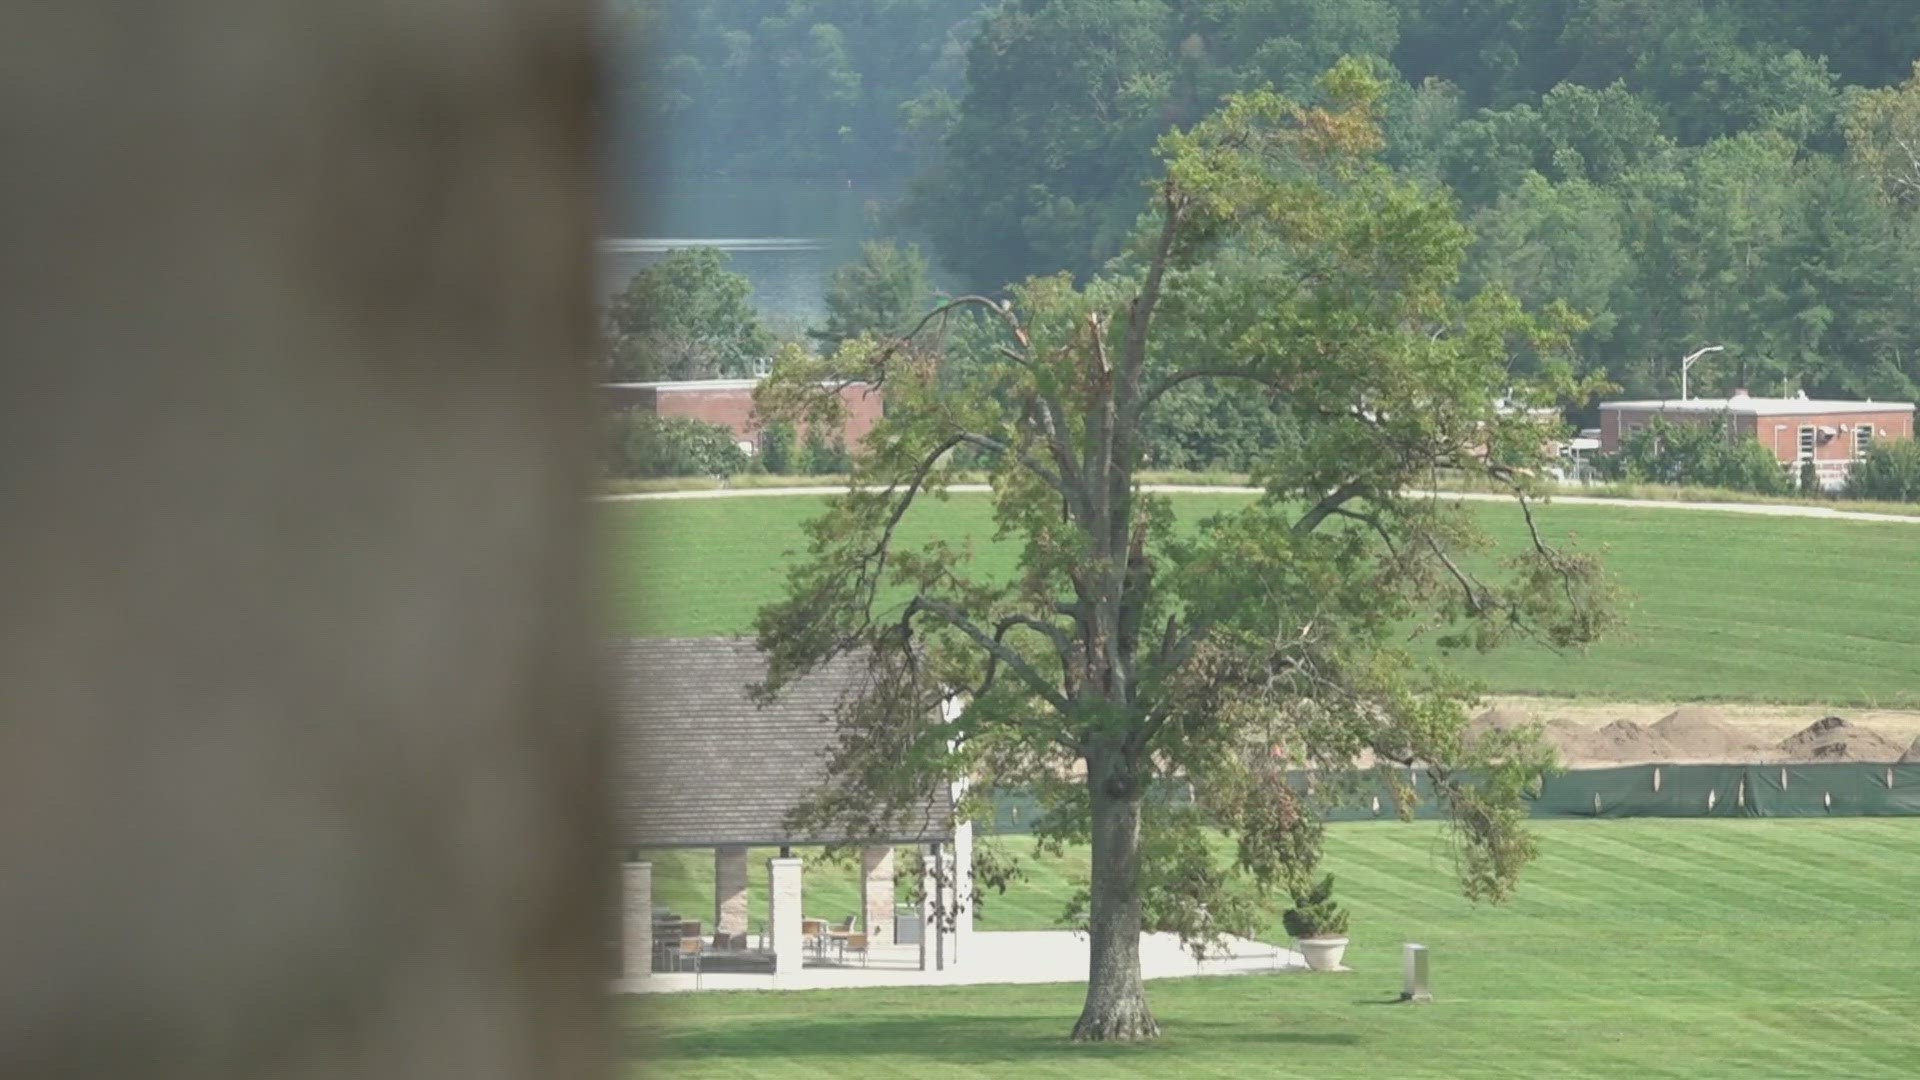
{"points": [[1414, 963]]}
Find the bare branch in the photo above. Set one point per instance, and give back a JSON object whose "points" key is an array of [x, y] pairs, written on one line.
{"points": [[1332, 502], [1004, 311], [871, 565], [1246, 373], [995, 647], [1379, 527], [1140, 311], [1062, 643], [1014, 355], [1476, 604], [1033, 464]]}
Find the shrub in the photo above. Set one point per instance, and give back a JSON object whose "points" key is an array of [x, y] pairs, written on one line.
{"points": [[777, 449], [639, 444], [1699, 455], [1314, 914], [824, 458], [1890, 473]]}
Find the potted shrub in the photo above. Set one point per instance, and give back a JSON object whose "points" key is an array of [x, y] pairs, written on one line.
{"points": [[1319, 924]]}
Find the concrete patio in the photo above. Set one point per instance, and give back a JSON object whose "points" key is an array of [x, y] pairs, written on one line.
{"points": [[1034, 956]]}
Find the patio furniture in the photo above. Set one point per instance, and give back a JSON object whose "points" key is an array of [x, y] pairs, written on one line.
{"points": [[813, 933], [732, 954], [666, 943], [691, 950], [838, 935], [854, 943]]}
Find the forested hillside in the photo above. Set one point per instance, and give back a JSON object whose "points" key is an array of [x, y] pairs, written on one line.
{"points": [[1742, 172], [790, 88]]}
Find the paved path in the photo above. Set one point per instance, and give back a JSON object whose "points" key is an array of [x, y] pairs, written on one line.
{"points": [[1764, 509], [1005, 957]]}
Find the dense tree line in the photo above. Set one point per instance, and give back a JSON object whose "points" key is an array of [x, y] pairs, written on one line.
{"points": [[789, 88], [1678, 172]]}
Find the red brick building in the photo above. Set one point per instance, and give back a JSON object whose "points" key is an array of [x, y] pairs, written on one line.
{"points": [[1831, 434], [729, 402]]}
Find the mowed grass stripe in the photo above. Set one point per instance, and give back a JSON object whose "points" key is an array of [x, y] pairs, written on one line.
{"points": [[1757, 876], [1614, 960], [1725, 606], [1651, 866], [1796, 875]]}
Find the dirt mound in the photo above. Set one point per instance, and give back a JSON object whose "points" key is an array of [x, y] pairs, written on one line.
{"points": [[1499, 720], [1912, 756], [1565, 736], [1696, 733], [1625, 741], [1834, 739]]}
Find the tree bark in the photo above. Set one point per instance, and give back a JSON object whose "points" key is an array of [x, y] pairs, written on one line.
{"points": [[1116, 1008]]}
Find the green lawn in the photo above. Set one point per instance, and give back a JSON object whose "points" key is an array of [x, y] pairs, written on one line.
{"points": [[1686, 949], [1726, 606]]}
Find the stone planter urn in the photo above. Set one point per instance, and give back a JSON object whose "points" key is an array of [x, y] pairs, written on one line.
{"points": [[1324, 953]]}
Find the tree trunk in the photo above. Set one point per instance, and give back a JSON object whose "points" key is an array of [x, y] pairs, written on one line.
{"points": [[1116, 1008]]}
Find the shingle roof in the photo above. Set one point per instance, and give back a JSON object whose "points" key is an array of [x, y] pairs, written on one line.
{"points": [[699, 764]]}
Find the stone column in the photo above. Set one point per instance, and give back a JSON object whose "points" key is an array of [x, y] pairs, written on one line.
{"points": [[876, 874], [730, 890], [937, 951], [962, 890], [783, 914], [637, 902]]}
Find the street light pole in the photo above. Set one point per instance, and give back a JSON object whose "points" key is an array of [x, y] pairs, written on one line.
{"points": [[1687, 365]]}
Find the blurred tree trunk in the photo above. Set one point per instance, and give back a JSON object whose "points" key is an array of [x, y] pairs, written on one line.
{"points": [[300, 751]]}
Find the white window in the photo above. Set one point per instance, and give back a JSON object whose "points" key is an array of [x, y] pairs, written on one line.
{"points": [[1633, 429], [1807, 442], [1862, 440]]}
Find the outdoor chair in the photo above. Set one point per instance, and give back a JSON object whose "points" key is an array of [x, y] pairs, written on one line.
{"points": [[837, 936], [666, 946], [691, 949], [813, 932], [854, 943]]}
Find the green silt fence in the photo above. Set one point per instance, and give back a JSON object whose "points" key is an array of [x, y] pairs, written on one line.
{"points": [[1840, 790], [1851, 789]]}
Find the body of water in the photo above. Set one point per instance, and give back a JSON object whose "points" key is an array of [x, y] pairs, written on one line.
{"points": [[786, 236]]}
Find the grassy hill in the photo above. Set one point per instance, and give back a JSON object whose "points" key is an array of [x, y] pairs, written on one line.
{"points": [[1725, 606], [1710, 950]]}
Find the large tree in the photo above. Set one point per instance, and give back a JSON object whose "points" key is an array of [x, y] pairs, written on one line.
{"points": [[685, 317], [1065, 98], [882, 292], [1284, 260]]}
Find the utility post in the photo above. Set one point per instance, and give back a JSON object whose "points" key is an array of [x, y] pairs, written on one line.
{"points": [[1686, 365]]}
